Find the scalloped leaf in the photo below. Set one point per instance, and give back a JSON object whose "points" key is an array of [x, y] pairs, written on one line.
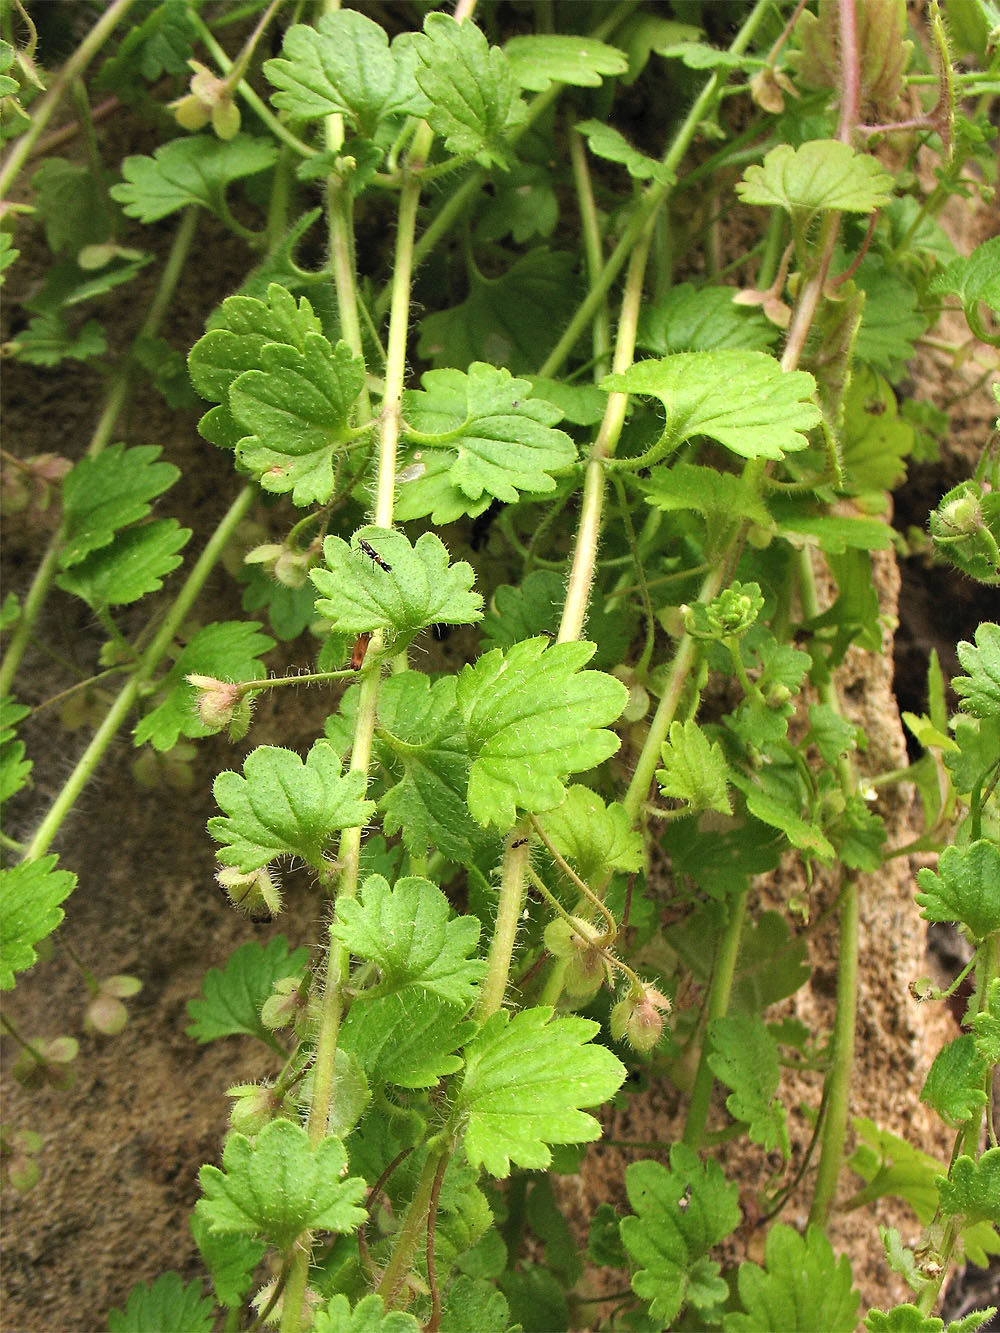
{"points": [[694, 770], [742, 399], [30, 894], [703, 319], [596, 838], [819, 176], [973, 1188], [108, 492], [196, 170], [954, 1086], [979, 691], [801, 1289], [611, 145], [277, 1186], [539, 60], [965, 888], [284, 807], [134, 564], [231, 1000], [526, 1078], [745, 1058], [167, 1305], [532, 717]]}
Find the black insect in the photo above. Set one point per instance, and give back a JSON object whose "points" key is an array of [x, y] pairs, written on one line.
{"points": [[520, 843], [372, 554]]}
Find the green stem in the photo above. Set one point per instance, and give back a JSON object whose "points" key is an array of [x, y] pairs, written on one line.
{"points": [[148, 663], [501, 951], [115, 399], [718, 1004], [42, 111], [409, 1234], [591, 229]]}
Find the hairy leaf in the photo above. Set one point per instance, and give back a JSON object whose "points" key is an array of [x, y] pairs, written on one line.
{"points": [[525, 1079], [230, 1260], [745, 1058], [169, 1305], [802, 1288], [407, 1037], [694, 770], [134, 564], [410, 934], [284, 807], [197, 170], [955, 1083], [596, 838], [965, 888], [680, 1214], [30, 894], [532, 718], [973, 1188], [540, 59], [608, 143], [986, 1025], [820, 175], [231, 1000], [742, 399], [368, 1316], [107, 492], [707, 491], [381, 583], [979, 691], [703, 319], [278, 1185]]}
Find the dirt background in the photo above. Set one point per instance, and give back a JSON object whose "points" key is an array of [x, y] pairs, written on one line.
{"points": [[122, 1146]]}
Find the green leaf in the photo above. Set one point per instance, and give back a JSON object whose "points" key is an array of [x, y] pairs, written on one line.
{"points": [[474, 1307], [500, 439], [160, 44], [802, 1288], [892, 1166], [768, 808], [14, 769], [745, 1058], [168, 1305], [965, 888], [978, 752], [345, 66], [368, 1316], [703, 319], [698, 55], [891, 319], [525, 1079], [902, 1260], [8, 254], [858, 834], [540, 59], [771, 964], [228, 651], [475, 100], [595, 838], [707, 491], [420, 731], [410, 935], [979, 691], [30, 894], [973, 279], [535, 607], [955, 1083], [680, 1214], [284, 807], [297, 406], [742, 399], [406, 1037], [49, 339], [231, 1000], [973, 1188], [230, 1260], [831, 733], [498, 322], [133, 565], [399, 590], [694, 770], [611, 145], [69, 199], [524, 205], [986, 1025], [195, 170], [107, 492], [821, 175], [802, 525], [277, 1186], [532, 718]]}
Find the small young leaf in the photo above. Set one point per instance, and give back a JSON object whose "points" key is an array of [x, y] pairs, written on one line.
{"points": [[540, 59], [596, 838], [499, 439], [742, 399], [703, 319], [30, 894], [231, 1000], [965, 888], [284, 807], [681, 1213], [698, 55], [399, 590], [421, 732], [955, 1083], [820, 175], [608, 143], [133, 565], [976, 278], [168, 1305], [107, 492], [473, 93], [408, 931], [230, 1260], [745, 1058], [986, 1025], [345, 66], [525, 1079], [406, 1037], [979, 691], [228, 651], [15, 770], [297, 406], [368, 1316], [802, 1288], [532, 718], [278, 1185], [189, 171], [694, 770], [973, 1188], [49, 339]]}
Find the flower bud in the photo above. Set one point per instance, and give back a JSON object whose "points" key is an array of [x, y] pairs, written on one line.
{"points": [[284, 1004], [255, 1105], [256, 893], [586, 966], [639, 1018], [222, 703]]}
